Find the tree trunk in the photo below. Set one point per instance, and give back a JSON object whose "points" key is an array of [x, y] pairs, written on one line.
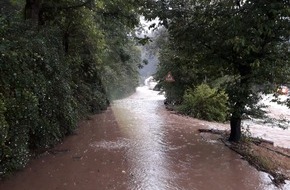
{"points": [[235, 135], [32, 9], [240, 102], [65, 42]]}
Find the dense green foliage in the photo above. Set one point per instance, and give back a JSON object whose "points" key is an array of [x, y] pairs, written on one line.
{"points": [[205, 103], [62, 61], [246, 41]]}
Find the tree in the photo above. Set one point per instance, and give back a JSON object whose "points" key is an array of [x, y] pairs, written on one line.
{"points": [[248, 41], [120, 69], [54, 58]]}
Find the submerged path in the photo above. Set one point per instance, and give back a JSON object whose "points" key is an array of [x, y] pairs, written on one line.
{"points": [[137, 145]]}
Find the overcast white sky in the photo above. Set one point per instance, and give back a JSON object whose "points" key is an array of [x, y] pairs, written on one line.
{"points": [[145, 24]]}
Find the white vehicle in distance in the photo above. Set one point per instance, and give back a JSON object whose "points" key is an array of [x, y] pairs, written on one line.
{"points": [[150, 82]]}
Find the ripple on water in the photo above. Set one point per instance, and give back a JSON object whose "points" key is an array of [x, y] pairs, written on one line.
{"points": [[120, 143]]}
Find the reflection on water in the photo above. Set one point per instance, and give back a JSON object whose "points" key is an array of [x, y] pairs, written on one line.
{"points": [[165, 154], [147, 153]]}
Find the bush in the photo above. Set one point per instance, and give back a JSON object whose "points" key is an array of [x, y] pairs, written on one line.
{"points": [[4, 150], [205, 103], [51, 76], [19, 114]]}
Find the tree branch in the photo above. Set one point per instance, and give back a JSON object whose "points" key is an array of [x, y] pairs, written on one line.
{"points": [[77, 6]]}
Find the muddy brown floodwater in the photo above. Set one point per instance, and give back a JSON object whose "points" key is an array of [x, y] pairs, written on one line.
{"points": [[138, 145]]}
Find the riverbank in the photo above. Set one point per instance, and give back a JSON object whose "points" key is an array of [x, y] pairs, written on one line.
{"points": [[260, 153], [266, 146], [265, 157]]}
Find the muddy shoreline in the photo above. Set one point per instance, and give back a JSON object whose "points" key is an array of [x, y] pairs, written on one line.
{"points": [[260, 153]]}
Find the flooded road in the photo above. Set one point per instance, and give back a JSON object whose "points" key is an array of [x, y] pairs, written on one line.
{"points": [[138, 145]]}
